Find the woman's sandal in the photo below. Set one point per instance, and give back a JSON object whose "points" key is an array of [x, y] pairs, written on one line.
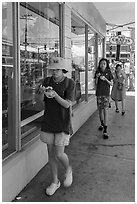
{"points": [[117, 111], [105, 136], [100, 127]]}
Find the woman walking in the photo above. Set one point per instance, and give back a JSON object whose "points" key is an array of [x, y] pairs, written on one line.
{"points": [[118, 92], [103, 80]]}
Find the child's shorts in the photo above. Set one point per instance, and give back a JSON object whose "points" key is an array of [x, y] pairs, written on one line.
{"points": [[58, 139], [103, 102]]}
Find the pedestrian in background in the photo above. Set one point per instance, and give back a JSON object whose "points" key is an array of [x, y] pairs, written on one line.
{"points": [[103, 79], [55, 130], [118, 92]]}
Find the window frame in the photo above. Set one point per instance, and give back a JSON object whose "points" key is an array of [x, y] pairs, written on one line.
{"points": [[38, 115], [96, 34], [13, 144], [14, 122]]}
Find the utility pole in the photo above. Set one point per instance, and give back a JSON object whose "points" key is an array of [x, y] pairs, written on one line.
{"points": [[26, 17], [118, 48]]}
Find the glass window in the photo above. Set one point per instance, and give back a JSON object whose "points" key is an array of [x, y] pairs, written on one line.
{"points": [[100, 48], [39, 41], [91, 62], [7, 75], [78, 54]]}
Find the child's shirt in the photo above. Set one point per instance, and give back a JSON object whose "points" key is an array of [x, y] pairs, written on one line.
{"points": [[103, 88], [56, 118]]}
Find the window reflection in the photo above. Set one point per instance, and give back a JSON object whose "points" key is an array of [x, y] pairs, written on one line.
{"points": [[39, 41], [7, 67], [91, 62], [78, 56], [100, 48]]}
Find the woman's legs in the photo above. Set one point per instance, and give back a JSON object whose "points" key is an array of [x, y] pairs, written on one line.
{"points": [[53, 163], [101, 117], [105, 135], [123, 105], [57, 153], [62, 156], [105, 116], [116, 104]]}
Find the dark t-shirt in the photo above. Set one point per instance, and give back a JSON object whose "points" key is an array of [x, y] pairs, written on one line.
{"points": [[56, 118], [103, 88]]}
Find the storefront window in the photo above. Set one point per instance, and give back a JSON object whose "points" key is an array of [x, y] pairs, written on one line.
{"points": [[100, 48], [91, 62], [7, 71], [78, 54], [39, 41]]}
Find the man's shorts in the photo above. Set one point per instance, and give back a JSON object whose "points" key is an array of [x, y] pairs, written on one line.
{"points": [[103, 102], [58, 139]]}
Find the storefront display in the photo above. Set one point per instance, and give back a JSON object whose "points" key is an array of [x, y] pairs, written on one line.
{"points": [[7, 67], [39, 41], [32, 34]]}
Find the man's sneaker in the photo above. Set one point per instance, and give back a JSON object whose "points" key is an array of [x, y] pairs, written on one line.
{"points": [[68, 178], [52, 188], [105, 136], [100, 127]]}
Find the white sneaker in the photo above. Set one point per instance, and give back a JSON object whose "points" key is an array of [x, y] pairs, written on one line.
{"points": [[52, 188], [69, 178]]}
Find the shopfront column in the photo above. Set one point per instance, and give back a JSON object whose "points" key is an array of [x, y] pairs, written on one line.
{"points": [[16, 79], [96, 50], [86, 62], [67, 36], [104, 47]]}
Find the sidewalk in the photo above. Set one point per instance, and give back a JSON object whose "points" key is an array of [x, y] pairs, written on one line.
{"points": [[103, 170]]}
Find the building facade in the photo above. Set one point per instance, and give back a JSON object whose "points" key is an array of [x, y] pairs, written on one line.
{"points": [[33, 33]]}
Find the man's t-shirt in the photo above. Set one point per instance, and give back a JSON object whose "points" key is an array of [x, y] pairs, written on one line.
{"points": [[103, 88], [57, 118]]}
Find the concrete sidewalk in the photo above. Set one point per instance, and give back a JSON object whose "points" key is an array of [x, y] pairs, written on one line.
{"points": [[103, 170]]}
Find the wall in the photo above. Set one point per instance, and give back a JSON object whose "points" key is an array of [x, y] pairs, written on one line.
{"points": [[19, 170], [88, 11]]}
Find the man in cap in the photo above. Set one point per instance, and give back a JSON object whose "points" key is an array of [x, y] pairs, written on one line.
{"points": [[55, 130]]}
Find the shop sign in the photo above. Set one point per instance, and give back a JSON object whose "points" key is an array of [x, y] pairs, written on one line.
{"points": [[120, 40], [91, 41]]}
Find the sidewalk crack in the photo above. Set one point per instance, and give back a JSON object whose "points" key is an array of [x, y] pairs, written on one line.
{"points": [[112, 145]]}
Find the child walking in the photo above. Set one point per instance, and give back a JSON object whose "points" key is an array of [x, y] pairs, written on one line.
{"points": [[103, 80], [55, 130]]}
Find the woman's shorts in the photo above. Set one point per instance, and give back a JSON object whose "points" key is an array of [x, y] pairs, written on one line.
{"points": [[58, 139], [103, 102]]}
